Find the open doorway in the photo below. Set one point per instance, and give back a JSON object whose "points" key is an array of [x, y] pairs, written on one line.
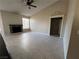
{"points": [[55, 26]]}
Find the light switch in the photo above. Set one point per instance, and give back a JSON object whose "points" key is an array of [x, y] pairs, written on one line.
{"points": [[78, 32], [0, 29]]}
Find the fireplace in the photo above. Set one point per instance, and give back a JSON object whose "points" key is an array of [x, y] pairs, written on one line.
{"points": [[15, 28]]}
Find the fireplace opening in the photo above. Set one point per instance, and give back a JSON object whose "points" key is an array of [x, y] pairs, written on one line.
{"points": [[15, 28]]}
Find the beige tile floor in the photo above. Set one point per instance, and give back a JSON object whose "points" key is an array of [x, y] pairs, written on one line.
{"points": [[34, 45]]}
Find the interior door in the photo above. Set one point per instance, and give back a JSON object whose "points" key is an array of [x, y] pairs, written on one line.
{"points": [[55, 26]]}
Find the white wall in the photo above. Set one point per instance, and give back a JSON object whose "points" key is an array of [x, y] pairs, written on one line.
{"points": [[10, 18], [1, 26], [40, 22], [69, 22], [73, 52]]}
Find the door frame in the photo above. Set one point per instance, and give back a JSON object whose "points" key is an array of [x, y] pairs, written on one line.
{"points": [[61, 29]]}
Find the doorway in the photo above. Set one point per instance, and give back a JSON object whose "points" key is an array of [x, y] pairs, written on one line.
{"points": [[55, 26]]}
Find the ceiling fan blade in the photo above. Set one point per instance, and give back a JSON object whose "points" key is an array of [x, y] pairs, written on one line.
{"points": [[28, 0], [33, 6], [31, 1]]}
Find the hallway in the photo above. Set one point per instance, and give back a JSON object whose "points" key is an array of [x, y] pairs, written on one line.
{"points": [[33, 45]]}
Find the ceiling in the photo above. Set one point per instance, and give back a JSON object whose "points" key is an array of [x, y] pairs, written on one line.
{"points": [[18, 6]]}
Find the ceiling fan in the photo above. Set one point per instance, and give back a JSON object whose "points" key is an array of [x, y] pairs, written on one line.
{"points": [[29, 3]]}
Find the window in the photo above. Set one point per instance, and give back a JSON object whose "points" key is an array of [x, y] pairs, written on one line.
{"points": [[26, 23]]}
